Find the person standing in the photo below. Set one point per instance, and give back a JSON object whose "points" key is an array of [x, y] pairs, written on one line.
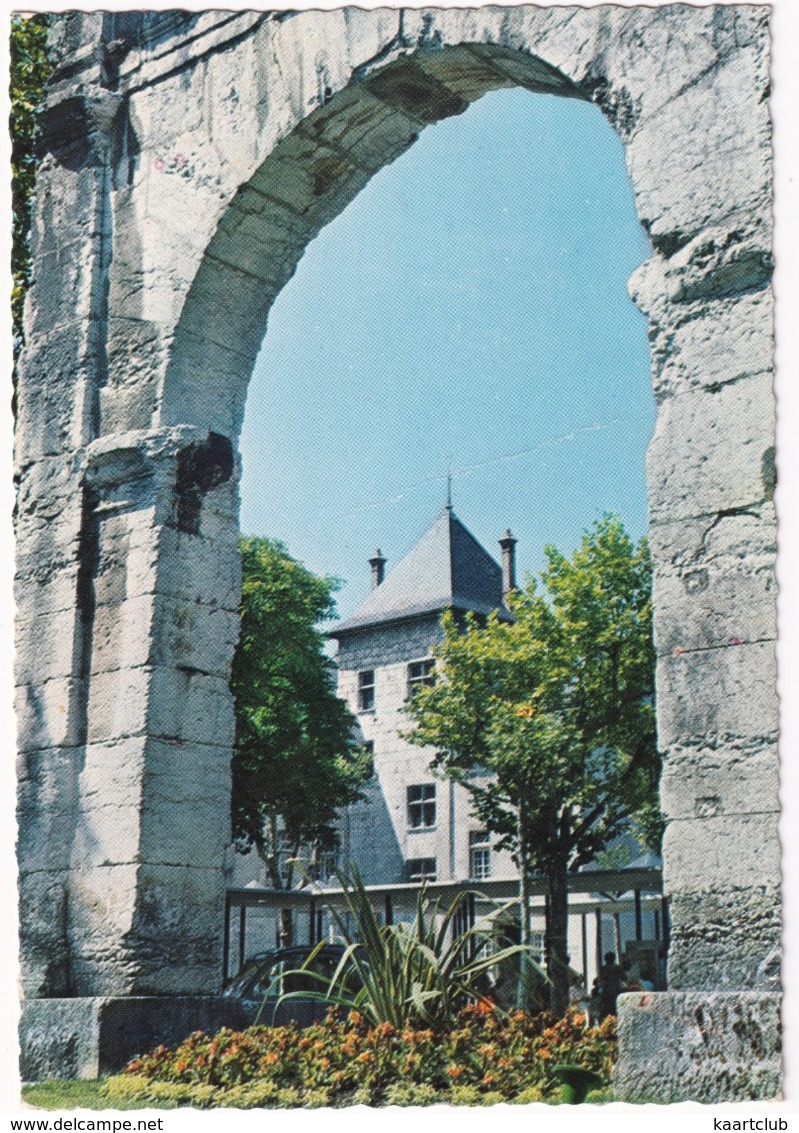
{"points": [[610, 984]]}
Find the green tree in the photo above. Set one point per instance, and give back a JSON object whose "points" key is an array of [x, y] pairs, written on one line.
{"points": [[549, 721], [29, 71], [296, 759]]}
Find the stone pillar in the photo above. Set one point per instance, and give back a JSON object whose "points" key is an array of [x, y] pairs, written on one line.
{"points": [[150, 783], [59, 376], [152, 819], [715, 1035]]}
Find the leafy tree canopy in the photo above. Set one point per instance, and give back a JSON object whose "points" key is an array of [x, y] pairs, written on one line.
{"points": [[549, 721], [296, 759]]}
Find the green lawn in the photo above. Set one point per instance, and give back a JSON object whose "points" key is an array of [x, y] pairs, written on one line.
{"points": [[69, 1094]]}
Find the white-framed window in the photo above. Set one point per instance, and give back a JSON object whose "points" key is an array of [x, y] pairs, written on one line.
{"points": [[421, 806], [366, 690], [421, 673], [479, 855], [420, 869]]}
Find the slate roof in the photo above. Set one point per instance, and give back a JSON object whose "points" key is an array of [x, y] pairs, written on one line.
{"points": [[446, 569]]}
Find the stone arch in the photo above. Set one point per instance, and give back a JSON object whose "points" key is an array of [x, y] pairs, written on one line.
{"points": [[190, 159]]}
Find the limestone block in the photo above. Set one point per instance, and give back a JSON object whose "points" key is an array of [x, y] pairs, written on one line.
{"points": [[357, 122], [152, 286], [145, 801], [46, 646], [708, 450], [188, 824], [112, 773], [189, 397], [194, 635], [108, 831], [723, 261], [46, 799], [123, 634], [749, 534], [647, 56], [49, 373], [312, 180], [118, 703], [173, 940], [366, 33], [46, 715], [210, 573], [704, 782], [35, 594], [260, 238], [313, 58], [714, 605], [148, 558], [191, 707], [723, 851], [136, 353], [715, 693], [465, 70], [66, 282], [228, 307], [725, 937], [44, 953], [47, 489], [102, 908], [66, 202], [680, 160], [219, 516], [693, 1046], [90, 1037], [47, 547]]}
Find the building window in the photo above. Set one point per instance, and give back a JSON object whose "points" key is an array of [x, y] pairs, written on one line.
{"points": [[328, 866], [422, 806], [421, 869], [366, 690], [479, 855], [421, 673]]}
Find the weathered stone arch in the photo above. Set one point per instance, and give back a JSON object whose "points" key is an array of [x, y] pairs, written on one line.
{"points": [[189, 159]]}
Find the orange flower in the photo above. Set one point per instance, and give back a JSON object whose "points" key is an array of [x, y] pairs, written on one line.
{"points": [[455, 1071]]}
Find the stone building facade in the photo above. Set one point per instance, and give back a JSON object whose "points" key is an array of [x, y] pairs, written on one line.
{"points": [[413, 825]]}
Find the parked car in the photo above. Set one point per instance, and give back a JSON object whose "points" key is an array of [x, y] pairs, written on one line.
{"points": [[267, 976]]}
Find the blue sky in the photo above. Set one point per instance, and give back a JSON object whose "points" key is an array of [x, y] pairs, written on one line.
{"points": [[469, 309]]}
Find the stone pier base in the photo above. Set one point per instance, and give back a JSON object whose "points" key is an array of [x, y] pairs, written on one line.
{"points": [[699, 1046], [88, 1037]]}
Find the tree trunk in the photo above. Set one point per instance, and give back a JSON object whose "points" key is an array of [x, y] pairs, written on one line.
{"points": [[524, 989], [558, 937]]}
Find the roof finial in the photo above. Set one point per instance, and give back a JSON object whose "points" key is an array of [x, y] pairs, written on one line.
{"points": [[449, 487]]}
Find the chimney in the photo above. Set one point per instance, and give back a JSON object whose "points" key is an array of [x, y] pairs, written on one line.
{"points": [[508, 545], [378, 565]]}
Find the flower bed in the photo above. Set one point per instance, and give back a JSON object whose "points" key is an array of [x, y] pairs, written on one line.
{"points": [[486, 1057]]}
